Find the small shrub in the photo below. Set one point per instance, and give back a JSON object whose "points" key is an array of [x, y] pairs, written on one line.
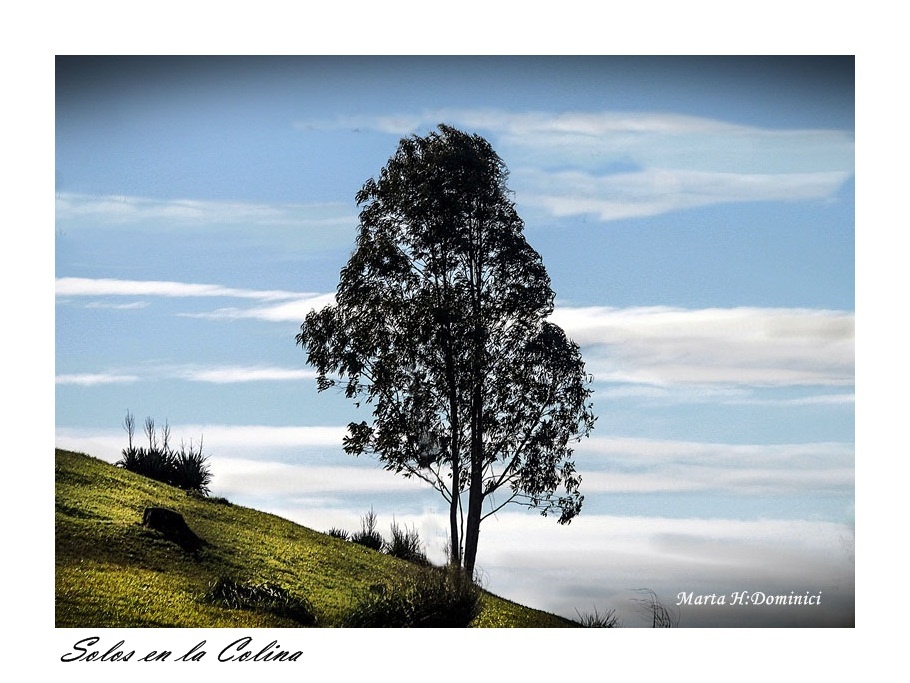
{"points": [[130, 459], [368, 536], [651, 606], [335, 532], [423, 597], [217, 500], [406, 545], [266, 597], [190, 469], [187, 468], [598, 620], [149, 462]]}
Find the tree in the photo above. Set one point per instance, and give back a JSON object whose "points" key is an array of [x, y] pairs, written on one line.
{"points": [[440, 324]]}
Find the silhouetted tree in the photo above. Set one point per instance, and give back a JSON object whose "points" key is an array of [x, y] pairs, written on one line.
{"points": [[440, 324]]}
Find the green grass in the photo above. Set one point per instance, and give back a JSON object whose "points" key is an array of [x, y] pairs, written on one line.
{"points": [[110, 571]]}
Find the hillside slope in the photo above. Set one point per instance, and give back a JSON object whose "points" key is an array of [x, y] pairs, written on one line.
{"points": [[111, 571]]}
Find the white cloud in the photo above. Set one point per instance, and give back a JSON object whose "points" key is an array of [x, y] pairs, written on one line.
{"points": [[120, 307], [716, 394], [101, 210], [215, 374], [733, 482], [292, 306], [600, 560], [819, 400], [754, 346], [661, 451], [235, 374], [588, 531], [656, 191], [637, 465], [651, 140], [289, 311], [89, 379], [566, 163], [256, 479], [77, 286], [259, 437], [668, 141]]}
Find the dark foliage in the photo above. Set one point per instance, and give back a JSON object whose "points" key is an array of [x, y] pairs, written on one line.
{"points": [[266, 597], [190, 469], [660, 614], [149, 462], [335, 532], [597, 620], [405, 544], [430, 597], [186, 468], [368, 536]]}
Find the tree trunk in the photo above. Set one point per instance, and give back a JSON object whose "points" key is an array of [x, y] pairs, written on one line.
{"points": [[475, 496], [475, 506], [455, 447], [455, 549]]}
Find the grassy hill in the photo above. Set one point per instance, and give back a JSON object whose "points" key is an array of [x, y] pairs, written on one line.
{"points": [[112, 571]]}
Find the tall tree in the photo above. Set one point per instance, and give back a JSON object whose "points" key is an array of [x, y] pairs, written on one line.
{"points": [[440, 324]]}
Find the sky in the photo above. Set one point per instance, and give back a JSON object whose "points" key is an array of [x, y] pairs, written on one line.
{"points": [[696, 217]]}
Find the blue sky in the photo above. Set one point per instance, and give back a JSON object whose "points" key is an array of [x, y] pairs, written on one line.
{"points": [[696, 217]]}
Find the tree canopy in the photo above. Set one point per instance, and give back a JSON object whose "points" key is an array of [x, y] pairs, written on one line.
{"points": [[440, 325]]}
